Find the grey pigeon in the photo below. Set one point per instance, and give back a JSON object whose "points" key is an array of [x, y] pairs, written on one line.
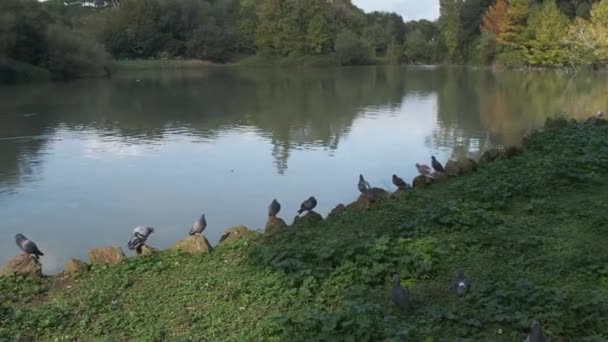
{"points": [[399, 182], [198, 226], [274, 208], [460, 284], [423, 169], [536, 333], [437, 165], [308, 205], [401, 296], [28, 246], [139, 237], [363, 184]]}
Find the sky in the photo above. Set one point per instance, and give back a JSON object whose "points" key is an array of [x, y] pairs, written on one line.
{"points": [[408, 9]]}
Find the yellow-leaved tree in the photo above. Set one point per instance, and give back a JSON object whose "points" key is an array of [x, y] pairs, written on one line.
{"points": [[589, 38]]}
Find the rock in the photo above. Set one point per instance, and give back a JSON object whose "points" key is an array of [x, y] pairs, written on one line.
{"points": [[398, 193], [375, 194], [361, 203], [75, 266], [452, 168], [23, 265], [310, 217], [595, 121], [527, 139], [274, 225], [195, 244], [513, 150], [490, 156], [556, 122], [146, 250], [235, 233], [439, 177], [421, 182], [106, 256], [337, 211], [467, 166], [367, 199]]}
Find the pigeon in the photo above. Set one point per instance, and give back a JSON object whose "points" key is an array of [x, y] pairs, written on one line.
{"points": [[399, 183], [401, 296], [139, 237], [437, 165], [28, 246], [363, 184], [308, 205], [274, 208], [536, 333], [460, 284], [423, 169], [198, 226]]}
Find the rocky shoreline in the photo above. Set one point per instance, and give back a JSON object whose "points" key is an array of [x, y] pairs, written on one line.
{"points": [[25, 266]]}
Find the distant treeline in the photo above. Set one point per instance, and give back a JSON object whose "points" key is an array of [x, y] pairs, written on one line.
{"points": [[79, 38]]}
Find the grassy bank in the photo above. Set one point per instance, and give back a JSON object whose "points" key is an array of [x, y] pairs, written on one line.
{"points": [[530, 231]]}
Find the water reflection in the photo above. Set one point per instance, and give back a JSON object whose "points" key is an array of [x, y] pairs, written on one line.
{"points": [[159, 147]]}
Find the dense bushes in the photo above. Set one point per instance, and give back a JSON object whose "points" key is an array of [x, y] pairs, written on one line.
{"points": [[33, 40], [352, 49]]}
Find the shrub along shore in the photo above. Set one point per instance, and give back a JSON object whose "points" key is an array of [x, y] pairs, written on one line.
{"points": [[529, 228]]}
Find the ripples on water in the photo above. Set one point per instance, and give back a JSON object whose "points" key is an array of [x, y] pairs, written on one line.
{"points": [[82, 163]]}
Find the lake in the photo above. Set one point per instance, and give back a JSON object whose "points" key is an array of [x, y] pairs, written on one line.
{"points": [[82, 163]]}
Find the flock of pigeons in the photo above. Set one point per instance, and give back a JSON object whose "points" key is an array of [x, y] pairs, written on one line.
{"points": [[400, 295]]}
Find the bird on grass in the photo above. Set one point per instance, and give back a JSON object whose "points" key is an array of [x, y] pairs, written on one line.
{"points": [[399, 182], [139, 237], [308, 205], [423, 169], [28, 246], [460, 284], [437, 165], [536, 333], [401, 296], [274, 208], [363, 184], [198, 226]]}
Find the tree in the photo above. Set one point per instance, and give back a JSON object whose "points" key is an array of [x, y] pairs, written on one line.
{"points": [[514, 24], [495, 17], [416, 47], [449, 23], [352, 49], [589, 38], [545, 46], [318, 35]]}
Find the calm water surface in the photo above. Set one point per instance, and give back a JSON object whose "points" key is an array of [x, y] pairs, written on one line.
{"points": [[82, 163]]}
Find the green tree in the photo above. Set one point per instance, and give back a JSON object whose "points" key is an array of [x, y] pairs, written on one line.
{"points": [[449, 23], [352, 49], [547, 26], [589, 38], [416, 47], [319, 35]]}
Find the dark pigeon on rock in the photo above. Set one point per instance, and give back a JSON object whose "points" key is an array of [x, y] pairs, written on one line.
{"points": [[274, 208], [399, 182], [437, 165], [536, 333], [198, 226], [308, 205], [461, 284], [401, 296], [139, 237], [363, 184], [28, 246]]}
